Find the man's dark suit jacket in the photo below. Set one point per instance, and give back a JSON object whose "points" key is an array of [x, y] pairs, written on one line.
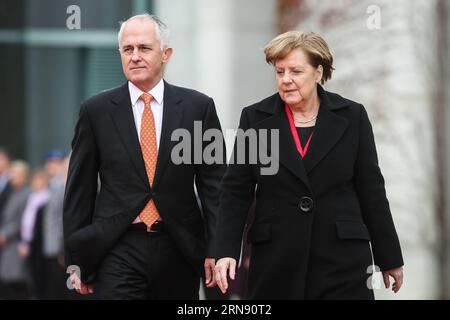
{"points": [[108, 187]]}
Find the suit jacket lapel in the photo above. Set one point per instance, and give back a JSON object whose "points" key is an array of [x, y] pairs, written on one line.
{"points": [[122, 115], [172, 115], [329, 129]]}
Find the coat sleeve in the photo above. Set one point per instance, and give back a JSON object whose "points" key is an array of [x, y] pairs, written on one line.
{"points": [[208, 177], [81, 186], [237, 195], [370, 187]]}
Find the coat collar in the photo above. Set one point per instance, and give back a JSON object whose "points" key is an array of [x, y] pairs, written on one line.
{"points": [[329, 129]]}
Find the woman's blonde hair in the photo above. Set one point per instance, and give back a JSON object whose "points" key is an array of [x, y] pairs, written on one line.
{"points": [[312, 44]]}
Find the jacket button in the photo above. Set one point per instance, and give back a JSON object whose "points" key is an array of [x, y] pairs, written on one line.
{"points": [[306, 204]]}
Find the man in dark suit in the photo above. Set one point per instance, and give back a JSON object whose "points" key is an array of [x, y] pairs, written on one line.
{"points": [[140, 233]]}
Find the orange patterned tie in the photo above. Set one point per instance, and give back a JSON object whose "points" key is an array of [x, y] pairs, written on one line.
{"points": [[150, 153]]}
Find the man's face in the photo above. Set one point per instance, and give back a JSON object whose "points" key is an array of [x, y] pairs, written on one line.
{"points": [[53, 167], [140, 51], [18, 176]]}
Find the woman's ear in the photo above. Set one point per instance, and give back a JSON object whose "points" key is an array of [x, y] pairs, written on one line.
{"points": [[319, 73]]}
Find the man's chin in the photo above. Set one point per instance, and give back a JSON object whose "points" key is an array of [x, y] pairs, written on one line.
{"points": [[137, 80], [140, 82]]}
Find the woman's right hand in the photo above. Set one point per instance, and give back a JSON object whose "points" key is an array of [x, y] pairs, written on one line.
{"points": [[224, 266]]}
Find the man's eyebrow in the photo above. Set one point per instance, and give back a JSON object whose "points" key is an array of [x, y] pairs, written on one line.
{"points": [[138, 45]]}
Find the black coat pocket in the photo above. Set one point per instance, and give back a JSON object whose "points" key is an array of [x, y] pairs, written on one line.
{"points": [[259, 232], [352, 230]]}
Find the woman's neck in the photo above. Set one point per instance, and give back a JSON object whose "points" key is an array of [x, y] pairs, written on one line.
{"points": [[305, 113], [306, 109]]}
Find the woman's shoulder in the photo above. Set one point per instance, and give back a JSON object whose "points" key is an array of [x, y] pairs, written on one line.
{"points": [[267, 104], [339, 101]]}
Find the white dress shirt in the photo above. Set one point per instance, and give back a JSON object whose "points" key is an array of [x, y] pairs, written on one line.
{"points": [[156, 105]]}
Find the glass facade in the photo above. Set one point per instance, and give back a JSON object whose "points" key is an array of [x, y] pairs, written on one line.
{"points": [[47, 69]]}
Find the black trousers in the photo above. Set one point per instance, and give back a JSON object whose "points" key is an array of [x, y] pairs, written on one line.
{"points": [[146, 265]]}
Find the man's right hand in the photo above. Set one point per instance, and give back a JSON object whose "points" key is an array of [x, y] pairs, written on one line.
{"points": [[79, 286], [224, 266]]}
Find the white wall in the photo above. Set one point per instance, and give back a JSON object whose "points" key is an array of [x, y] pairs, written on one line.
{"points": [[218, 50]]}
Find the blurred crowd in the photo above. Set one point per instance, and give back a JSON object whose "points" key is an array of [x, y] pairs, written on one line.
{"points": [[31, 233]]}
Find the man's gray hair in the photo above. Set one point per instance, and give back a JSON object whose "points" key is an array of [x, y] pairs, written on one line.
{"points": [[161, 29]]}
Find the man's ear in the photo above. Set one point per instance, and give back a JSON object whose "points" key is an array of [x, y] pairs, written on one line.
{"points": [[167, 53]]}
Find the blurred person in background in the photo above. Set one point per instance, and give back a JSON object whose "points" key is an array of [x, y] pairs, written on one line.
{"points": [[317, 218], [12, 266], [5, 189], [30, 247], [4, 178], [54, 167], [52, 227], [143, 235]]}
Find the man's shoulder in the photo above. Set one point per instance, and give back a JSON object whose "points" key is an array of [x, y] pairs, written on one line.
{"points": [[185, 93], [106, 95]]}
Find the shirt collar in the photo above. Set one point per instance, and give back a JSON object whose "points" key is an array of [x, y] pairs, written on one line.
{"points": [[157, 92]]}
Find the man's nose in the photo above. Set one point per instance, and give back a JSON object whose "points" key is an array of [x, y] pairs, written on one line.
{"points": [[135, 56]]}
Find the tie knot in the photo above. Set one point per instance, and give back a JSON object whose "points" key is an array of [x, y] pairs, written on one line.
{"points": [[146, 97]]}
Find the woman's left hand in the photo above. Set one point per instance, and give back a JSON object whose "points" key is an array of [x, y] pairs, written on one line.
{"points": [[397, 274]]}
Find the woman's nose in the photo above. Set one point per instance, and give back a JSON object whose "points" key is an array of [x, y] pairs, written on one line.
{"points": [[286, 78]]}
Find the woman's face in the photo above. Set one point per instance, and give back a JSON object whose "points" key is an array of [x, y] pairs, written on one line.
{"points": [[296, 78]]}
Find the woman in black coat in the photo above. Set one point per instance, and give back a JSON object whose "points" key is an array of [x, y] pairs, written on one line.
{"points": [[322, 215]]}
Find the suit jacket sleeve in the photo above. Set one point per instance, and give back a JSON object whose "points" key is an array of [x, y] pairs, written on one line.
{"points": [[81, 186], [237, 195], [370, 188], [208, 177]]}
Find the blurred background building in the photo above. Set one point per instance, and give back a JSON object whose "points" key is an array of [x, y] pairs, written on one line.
{"points": [[392, 56]]}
